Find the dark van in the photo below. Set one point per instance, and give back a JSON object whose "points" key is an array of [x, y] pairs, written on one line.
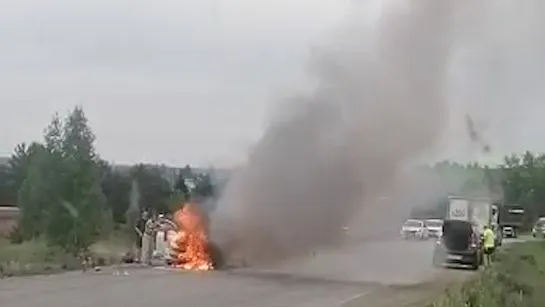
{"points": [[459, 244]]}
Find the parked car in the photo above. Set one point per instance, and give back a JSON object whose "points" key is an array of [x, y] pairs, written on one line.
{"points": [[459, 244], [414, 229], [509, 232], [538, 231], [434, 227]]}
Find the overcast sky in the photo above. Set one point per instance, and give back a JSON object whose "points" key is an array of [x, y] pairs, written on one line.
{"points": [[185, 81], [169, 81]]}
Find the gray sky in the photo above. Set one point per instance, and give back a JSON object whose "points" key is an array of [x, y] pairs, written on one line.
{"points": [[161, 81], [194, 81]]}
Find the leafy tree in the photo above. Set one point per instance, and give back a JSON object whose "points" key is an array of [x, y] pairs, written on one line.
{"points": [[203, 186], [7, 194], [39, 190], [180, 191], [61, 193], [520, 179], [17, 168], [180, 186], [155, 191], [187, 172], [116, 187], [77, 219]]}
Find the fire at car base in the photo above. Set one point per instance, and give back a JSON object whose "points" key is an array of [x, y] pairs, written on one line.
{"points": [[190, 244]]}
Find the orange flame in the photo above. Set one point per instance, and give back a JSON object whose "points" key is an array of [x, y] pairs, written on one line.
{"points": [[190, 244]]}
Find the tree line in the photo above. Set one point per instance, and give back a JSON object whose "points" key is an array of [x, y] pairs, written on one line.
{"points": [[70, 196], [518, 180]]}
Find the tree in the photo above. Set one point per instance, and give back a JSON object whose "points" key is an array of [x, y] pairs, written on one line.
{"points": [[39, 190], [180, 186], [155, 191], [116, 187], [204, 189], [7, 195], [17, 168], [203, 186], [61, 195]]}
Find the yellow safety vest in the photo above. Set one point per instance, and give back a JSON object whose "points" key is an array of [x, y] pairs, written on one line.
{"points": [[489, 238]]}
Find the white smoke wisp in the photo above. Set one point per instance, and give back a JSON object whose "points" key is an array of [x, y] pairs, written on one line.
{"points": [[379, 104]]}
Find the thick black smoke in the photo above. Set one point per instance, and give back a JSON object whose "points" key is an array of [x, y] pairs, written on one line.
{"points": [[379, 104]]}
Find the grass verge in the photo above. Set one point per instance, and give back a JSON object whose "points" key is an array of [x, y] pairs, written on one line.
{"points": [[35, 257], [517, 278]]}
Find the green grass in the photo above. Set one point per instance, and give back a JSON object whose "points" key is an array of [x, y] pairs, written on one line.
{"points": [[517, 278], [35, 257]]}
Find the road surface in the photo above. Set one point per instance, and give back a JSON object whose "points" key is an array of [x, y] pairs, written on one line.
{"points": [[376, 272]]}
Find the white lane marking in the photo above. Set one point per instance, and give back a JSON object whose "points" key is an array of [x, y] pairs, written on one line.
{"points": [[352, 298]]}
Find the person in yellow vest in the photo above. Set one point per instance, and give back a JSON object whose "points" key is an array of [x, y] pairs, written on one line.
{"points": [[489, 244]]}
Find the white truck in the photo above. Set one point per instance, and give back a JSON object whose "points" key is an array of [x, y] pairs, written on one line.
{"points": [[479, 211]]}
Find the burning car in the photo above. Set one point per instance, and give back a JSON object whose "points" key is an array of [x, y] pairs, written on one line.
{"points": [[186, 240]]}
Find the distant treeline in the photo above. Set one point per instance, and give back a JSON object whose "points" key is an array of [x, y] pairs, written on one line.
{"points": [[69, 195], [519, 180]]}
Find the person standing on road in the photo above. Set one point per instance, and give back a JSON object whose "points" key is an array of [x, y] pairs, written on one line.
{"points": [[148, 241], [489, 244], [139, 229]]}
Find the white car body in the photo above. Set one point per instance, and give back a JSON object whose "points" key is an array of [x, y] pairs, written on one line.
{"points": [[539, 228], [508, 231], [434, 227], [166, 233], [414, 229]]}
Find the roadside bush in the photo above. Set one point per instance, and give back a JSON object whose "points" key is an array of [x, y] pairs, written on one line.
{"points": [[16, 235], [517, 278], [33, 257], [37, 257]]}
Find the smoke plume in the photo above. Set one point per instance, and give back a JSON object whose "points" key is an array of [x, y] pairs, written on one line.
{"points": [[475, 136], [386, 95], [378, 105]]}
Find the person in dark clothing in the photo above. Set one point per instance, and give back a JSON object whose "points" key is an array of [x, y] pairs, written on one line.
{"points": [[139, 229]]}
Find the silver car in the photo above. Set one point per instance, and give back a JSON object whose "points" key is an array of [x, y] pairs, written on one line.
{"points": [[538, 231], [434, 227], [414, 229]]}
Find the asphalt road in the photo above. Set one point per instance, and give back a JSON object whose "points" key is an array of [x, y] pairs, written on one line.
{"points": [[329, 279]]}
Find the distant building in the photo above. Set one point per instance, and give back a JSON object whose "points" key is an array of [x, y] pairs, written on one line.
{"points": [[8, 219]]}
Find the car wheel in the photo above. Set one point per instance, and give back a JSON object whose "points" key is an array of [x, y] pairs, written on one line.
{"points": [[217, 256], [475, 265], [476, 262], [436, 261]]}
